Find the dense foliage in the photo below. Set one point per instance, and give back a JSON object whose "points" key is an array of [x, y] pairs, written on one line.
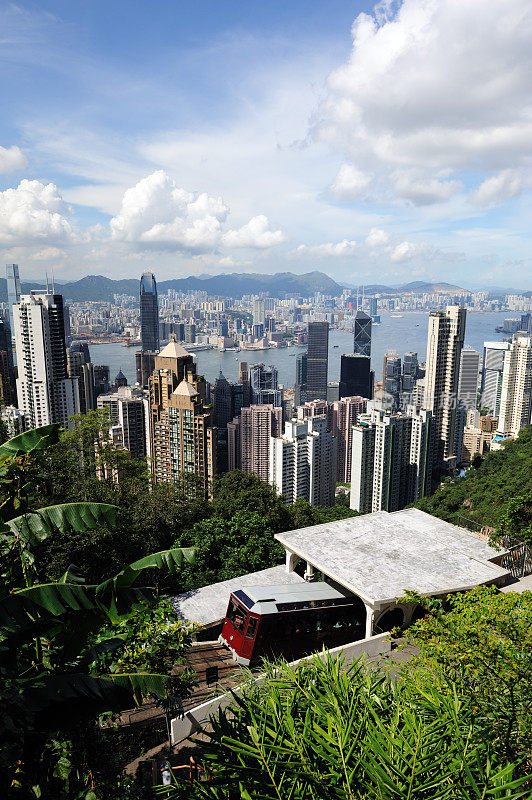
{"points": [[317, 731], [483, 494], [69, 650]]}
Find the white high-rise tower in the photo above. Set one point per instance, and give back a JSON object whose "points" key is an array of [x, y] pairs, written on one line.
{"points": [[516, 389], [45, 393]]}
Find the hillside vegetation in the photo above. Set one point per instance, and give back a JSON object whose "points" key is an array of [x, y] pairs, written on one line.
{"points": [[483, 495]]}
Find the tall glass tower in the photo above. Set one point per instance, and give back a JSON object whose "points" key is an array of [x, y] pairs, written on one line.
{"points": [[317, 360], [362, 338], [13, 291], [149, 313]]}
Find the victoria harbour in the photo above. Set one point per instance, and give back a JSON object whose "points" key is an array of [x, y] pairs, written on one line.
{"points": [[402, 334]]}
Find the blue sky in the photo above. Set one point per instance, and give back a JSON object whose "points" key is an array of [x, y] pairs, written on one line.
{"points": [[376, 143]]}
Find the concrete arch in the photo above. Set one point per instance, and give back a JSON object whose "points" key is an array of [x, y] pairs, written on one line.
{"points": [[391, 618]]}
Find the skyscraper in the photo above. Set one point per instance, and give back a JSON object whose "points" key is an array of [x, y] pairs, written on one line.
{"points": [[356, 376], [129, 409], [317, 360], [392, 379], [149, 313], [444, 347], [516, 388], [345, 413], [183, 438], [391, 459], [13, 292], [79, 366], [491, 382], [243, 379], [300, 391], [259, 312], [45, 393], [362, 335], [302, 462], [251, 434], [264, 385], [7, 374], [409, 377], [468, 381]]}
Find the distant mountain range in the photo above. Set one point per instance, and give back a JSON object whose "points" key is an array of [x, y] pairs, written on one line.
{"points": [[235, 285]]}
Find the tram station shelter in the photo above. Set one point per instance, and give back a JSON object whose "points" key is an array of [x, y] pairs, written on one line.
{"points": [[381, 555]]}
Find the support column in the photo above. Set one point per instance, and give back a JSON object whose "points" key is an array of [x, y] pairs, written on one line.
{"points": [[291, 561], [309, 572], [370, 618]]}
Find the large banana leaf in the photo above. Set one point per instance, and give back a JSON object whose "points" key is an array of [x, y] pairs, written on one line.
{"points": [[36, 526], [170, 560], [36, 439], [28, 612]]}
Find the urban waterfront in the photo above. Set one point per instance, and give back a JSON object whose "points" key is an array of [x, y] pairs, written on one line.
{"points": [[401, 334]]}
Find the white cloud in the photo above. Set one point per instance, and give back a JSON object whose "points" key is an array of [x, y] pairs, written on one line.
{"points": [[33, 213], [377, 238], [256, 234], [407, 251], [497, 188], [350, 183], [327, 250], [11, 159], [157, 212], [423, 192], [435, 87]]}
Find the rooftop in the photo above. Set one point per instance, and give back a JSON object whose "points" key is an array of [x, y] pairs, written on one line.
{"points": [[173, 350], [209, 604], [379, 556]]}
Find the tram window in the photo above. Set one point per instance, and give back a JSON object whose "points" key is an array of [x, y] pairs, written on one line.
{"points": [[236, 616], [252, 627]]}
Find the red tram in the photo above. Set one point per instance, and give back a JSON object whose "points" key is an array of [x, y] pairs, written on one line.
{"points": [[290, 621]]}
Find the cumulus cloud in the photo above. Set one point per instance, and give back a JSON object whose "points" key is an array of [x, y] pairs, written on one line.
{"points": [[407, 251], [158, 212], [257, 234], [377, 238], [327, 250], [423, 192], [350, 183], [497, 188], [33, 213], [437, 87], [11, 159]]}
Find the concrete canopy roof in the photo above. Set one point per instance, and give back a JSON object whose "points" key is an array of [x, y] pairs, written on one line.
{"points": [[209, 604], [379, 556]]}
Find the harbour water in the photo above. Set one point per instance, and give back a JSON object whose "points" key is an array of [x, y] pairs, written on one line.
{"points": [[400, 334]]}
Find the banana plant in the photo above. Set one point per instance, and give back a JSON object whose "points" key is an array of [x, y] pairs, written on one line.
{"points": [[49, 632]]}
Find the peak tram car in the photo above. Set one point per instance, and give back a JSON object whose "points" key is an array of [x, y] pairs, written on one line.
{"points": [[290, 621]]}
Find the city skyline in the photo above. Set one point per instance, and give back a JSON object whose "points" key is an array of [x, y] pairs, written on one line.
{"points": [[247, 141]]}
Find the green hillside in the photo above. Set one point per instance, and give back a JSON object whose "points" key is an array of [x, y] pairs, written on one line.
{"points": [[484, 493]]}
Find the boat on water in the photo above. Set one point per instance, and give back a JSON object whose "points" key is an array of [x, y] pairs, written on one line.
{"points": [[336, 345], [396, 316]]}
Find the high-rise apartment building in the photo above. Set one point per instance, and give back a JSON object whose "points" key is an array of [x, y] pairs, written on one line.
{"points": [[45, 393], [13, 292], [516, 388], [468, 380], [391, 459], [356, 376], [409, 377], [183, 438], [345, 413], [249, 438], [129, 409], [491, 382], [391, 379], [444, 348], [317, 360], [302, 462], [362, 334], [79, 366], [7, 373], [149, 313]]}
